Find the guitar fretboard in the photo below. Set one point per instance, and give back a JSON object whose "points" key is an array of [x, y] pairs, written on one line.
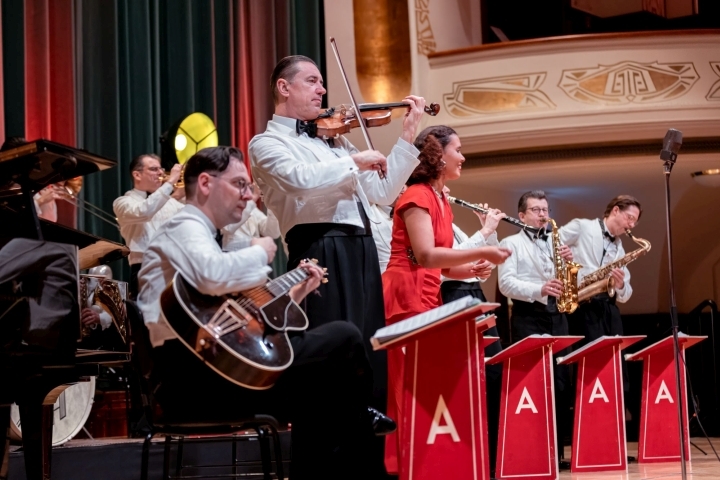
{"points": [[285, 282]]}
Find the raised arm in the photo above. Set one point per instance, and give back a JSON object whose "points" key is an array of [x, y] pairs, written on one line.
{"points": [[130, 210]]}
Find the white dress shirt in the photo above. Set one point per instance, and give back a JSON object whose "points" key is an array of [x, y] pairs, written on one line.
{"points": [[461, 241], [529, 267], [254, 224], [140, 215], [587, 242], [186, 243], [381, 227], [306, 181]]}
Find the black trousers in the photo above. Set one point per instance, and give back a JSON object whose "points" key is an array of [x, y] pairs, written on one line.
{"points": [[133, 284], [354, 289], [452, 290], [535, 318], [596, 318], [324, 394]]}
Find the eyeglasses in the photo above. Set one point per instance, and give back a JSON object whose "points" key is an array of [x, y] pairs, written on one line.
{"points": [[630, 217], [240, 185], [154, 169], [538, 210]]}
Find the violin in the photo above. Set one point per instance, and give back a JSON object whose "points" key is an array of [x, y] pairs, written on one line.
{"points": [[341, 119]]}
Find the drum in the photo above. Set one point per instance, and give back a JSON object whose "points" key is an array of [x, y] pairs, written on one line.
{"points": [[70, 412]]}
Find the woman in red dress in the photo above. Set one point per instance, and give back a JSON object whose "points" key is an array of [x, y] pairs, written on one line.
{"points": [[421, 250]]}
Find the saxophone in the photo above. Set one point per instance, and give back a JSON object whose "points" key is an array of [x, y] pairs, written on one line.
{"points": [[601, 281], [567, 273]]}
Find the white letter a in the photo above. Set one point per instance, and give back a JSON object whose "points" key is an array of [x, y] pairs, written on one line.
{"points": [[525, 402], [598, 392], [663, 393], [449, 427]]}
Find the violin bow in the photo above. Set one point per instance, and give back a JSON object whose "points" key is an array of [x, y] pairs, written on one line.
{"points": [[361, 120]]}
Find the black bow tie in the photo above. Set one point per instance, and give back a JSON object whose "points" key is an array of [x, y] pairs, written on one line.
{"points": [[306, 127], [218, 238], [541, 234], [606, 234]]}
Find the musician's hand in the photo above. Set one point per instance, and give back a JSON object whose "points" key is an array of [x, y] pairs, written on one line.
{"points": [[566, 253], [490, 221], [174, 175], [553, 287], [482, 269], [618, 274], [315, 276], [496, 255], [178, 193], [268, 244], [50, 193], [89, 317], [414, 115], [370, 160]]}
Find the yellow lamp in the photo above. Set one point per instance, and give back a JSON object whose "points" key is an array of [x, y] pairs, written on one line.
{"points": [[186, 137]]}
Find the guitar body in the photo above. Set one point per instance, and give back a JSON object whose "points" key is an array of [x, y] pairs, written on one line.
{"points": [[244, 342]]}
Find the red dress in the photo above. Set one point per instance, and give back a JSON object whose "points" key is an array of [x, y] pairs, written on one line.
{"points": [[409, 289]]}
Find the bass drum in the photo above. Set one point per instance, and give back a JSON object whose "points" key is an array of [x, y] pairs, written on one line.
{"points": [[70, 412]]}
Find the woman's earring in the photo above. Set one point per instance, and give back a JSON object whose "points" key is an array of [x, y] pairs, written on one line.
{"points": [[443, 162]]}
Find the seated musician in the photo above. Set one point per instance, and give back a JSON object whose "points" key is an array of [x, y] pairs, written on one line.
{"points": [[144, 208], [528, 278], [255, 224], [323, 393]]}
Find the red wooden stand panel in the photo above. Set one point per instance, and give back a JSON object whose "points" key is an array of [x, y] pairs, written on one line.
{"points": [[599, 439], [659, 430], [526, 443]]}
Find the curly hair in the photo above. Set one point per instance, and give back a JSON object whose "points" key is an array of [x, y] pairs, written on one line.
{"points": [[431, 142]]}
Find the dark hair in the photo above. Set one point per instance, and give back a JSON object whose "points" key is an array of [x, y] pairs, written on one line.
{"points": [[431, 142], [137, 163], [211, 159], [522, 203], [12, 142], [622, 202], [286, 69]]}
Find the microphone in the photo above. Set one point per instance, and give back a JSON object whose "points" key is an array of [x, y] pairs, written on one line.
{"points": [[671, 145]]}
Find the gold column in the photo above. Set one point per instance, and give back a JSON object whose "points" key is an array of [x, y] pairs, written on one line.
{"points": [[382, 49]]}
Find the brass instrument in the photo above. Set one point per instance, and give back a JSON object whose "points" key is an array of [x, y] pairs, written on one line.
{"points": [[600, 281], [478, 208], [180, 183], [567, 273]]}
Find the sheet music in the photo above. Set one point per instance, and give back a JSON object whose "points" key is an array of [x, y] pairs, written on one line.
{"points": [[417, 322]]}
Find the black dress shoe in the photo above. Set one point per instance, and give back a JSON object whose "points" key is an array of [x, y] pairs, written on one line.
{"points": [[564, 465], [381, 423]]}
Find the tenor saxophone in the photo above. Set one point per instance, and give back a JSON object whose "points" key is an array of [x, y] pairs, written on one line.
{"points": [[567, 273], [600, 281]]}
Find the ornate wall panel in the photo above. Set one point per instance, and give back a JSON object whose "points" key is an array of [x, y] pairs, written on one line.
{"points": [[629, 82], [714, 93]]}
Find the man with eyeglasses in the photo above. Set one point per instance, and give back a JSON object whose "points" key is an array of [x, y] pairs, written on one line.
{"points": [[528, 278], [324, 393], [147, 206], [596, 243]]}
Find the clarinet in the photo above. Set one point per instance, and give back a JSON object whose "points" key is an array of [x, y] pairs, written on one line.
{"points": [[510, 220]]}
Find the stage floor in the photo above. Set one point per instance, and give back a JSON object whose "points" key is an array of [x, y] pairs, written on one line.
{"points": [[700, 467], [112, 459]]}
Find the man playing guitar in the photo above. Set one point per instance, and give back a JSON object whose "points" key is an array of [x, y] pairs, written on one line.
{"points": [[325, 391]]}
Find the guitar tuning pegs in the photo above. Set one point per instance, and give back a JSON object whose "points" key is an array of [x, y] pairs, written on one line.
{"points": [[314, 260], [325, 270], [324, 280]]}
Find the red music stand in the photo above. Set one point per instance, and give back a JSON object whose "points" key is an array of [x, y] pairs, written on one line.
{"points": [[443, 432], [659, 430], [599, 441], [526, 441]]}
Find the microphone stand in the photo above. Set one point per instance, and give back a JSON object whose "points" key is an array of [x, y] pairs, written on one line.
{"points": [[669, 163]]}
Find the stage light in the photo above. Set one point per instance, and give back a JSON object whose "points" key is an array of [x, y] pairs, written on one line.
{"points": [[186, 137], [707, 178]]}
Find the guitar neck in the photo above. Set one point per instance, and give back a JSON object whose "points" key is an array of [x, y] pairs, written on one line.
{"points": [[285, 282]]}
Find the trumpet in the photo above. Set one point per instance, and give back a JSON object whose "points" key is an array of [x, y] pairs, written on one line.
{"points": [[180, 183], [510, 220]]}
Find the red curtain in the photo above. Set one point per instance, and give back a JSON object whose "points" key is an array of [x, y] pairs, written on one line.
{"points": [[49, 79], [241, 79]]}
